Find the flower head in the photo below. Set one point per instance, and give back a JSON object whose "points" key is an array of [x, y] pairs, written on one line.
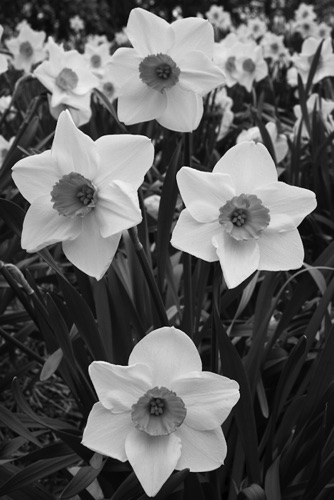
{"points": [[27, 48], [97, 57], [167, 72], [241, 215], [161, 412], [83, 193], [303, 61], [280, 141], [66, 75]]}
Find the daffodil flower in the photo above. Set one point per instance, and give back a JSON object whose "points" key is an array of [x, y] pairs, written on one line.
{"points": [[303, 61], [66, 75], [167, 72], [280, 141], [161, 412], [83, 193], [27, 48], [241, 215]]}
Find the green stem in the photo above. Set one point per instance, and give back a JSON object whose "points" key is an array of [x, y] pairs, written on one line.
{"points": [[160, 308], [187, 319], [12, 340]]}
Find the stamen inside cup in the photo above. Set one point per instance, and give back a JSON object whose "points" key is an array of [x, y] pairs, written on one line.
{"points": [[244, 217], [159, 412], [26, 49], [73, 195], [159, 71], [248, 65], [67, 79]]}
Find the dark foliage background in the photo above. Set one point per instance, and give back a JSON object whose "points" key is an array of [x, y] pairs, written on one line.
{"points": [[109, 16]]}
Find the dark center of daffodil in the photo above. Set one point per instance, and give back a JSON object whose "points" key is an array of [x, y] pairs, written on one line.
{"points": [[26, 49], [95, 61], [230, 64], [73, 195], [244, 217], [159, 71], [67, 79], [248, 65], [159, 412]]}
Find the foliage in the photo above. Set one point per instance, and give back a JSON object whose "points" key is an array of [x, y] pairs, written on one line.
{"points": [[273, 333]]}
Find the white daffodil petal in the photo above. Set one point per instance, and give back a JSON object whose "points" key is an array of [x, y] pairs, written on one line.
{"points": [[201, 450], [117, 208], [137, 102], [183, 112], [44, 226], [280, 251], [204, 192], [194, 237], [169, 352], [283, 199], [124, 65], [208, 398], [124, 157], [238, 258], [72, 149], [250, 166], [36, 175], [89, 252], [192, 34], [199, 74], [148, 33], [119, 387], [153, 458], [106, 432]]}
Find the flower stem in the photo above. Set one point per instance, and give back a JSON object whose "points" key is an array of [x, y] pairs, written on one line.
{"points": [[187, 320], [133, 233]]}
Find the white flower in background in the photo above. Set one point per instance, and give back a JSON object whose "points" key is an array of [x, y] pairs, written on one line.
{"points": [[161, 412], [257, 27], [97, 57], [305, 12], [224, 56], [250, 65], [4, 147], [224, 103], [243, 33], [280, 141], [27, 48], [5, 102], [121, 38], [241, 215], [177, 12], [152, 204], [66, 76], [274, 48], [107, 84], [303, 61], [3, 58], [83, 194], [219, 18], [315, 103], [306, 28], [167, 73], [324, 30], [77, 24]]}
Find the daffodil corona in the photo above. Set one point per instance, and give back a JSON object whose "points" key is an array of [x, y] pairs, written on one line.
{"points": [[161, 412], [83, 194], [241, 215]]}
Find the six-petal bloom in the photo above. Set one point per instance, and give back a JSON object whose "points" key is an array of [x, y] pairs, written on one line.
{"points": [[83, 193], [167, 72], [161, 412], [241, 215]]}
